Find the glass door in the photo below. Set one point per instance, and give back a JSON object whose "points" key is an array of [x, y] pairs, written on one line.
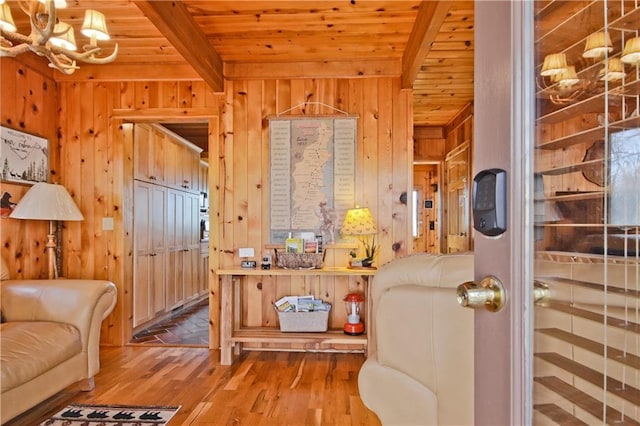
{"points": [[586, 365]]}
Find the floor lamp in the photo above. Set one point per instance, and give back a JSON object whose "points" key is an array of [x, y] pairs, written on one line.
{"points": [[52, 202]]}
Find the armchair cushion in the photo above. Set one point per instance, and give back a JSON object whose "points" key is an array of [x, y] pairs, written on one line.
{"points": [[420, 365], [32, 348]]}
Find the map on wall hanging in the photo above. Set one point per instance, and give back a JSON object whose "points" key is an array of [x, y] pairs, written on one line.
{"points": [[312, 165], [24, 158]]}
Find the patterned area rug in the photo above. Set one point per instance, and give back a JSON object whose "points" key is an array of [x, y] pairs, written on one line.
{"points": [[111, 415]]}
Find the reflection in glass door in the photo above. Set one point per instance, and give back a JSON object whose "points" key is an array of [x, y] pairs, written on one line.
{"points": [[587, 212]]}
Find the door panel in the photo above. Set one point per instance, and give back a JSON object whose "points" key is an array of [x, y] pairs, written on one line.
{"points": [[502, 137], [457, 179], [587, 218]]}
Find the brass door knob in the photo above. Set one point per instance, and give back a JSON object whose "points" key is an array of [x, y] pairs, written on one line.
{"points": [[488, 294]]}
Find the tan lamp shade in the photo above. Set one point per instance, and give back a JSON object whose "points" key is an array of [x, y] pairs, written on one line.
{"points": [[65, 37], [47, 201], [95, 25], [597, 45], [6, 20], [613, 71], [554, 63], [358, 221], [567, 78], [631, 52]]}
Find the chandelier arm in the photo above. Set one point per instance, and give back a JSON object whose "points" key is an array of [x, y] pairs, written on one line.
{"points": [[14, 50], [55, 62], [89, 57], [44, 34]]}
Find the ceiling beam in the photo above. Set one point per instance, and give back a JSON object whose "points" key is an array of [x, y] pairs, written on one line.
{"points": [[431, 15], [326, 69], [175, 22]]}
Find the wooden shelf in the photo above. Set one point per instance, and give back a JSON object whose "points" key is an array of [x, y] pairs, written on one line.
{"points": [[327, 271], [315, 340], [233, 334]]}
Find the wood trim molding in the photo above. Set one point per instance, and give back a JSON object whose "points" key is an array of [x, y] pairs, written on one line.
{"points": [[175, 22], [158, 115], [431, 15], [132, 72]]}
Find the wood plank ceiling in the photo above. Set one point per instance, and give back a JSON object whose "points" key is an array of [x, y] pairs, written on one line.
{"points": [[428, 43]]}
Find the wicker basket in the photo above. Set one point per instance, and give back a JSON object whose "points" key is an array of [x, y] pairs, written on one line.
{"points": [[316, 321], [299, 260]]}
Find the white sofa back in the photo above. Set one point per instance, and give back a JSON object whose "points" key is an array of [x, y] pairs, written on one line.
{"points": [[420, 365]]}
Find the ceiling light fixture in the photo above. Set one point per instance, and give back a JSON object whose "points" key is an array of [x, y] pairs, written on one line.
{"points": [[51, 38]]}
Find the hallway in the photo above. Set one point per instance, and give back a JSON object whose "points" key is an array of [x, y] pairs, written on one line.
{"points": [[187, 327]]}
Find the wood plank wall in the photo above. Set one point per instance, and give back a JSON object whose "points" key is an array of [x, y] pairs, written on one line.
{"points": [[29, 104], [85, 121], [383, 173]]}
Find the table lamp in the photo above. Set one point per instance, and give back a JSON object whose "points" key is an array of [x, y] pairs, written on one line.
{"points": [[52, 202], [359, 222]]}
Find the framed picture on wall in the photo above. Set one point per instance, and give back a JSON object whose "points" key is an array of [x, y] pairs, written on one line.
{"points": [[24, 158]]}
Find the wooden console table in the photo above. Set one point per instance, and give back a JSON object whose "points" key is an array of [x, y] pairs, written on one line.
{"points": [[231, 333]]}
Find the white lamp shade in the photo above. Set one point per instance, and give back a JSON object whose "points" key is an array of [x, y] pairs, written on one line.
{"points": [[47, 201], [358, 221], [6, 20], [95, 25], [64, 36], [59, 4]]}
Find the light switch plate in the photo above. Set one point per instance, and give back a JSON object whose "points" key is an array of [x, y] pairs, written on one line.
{"points": [[107, 224]]}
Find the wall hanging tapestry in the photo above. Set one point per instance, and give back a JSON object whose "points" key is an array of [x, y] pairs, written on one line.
{"points": [[312, 174]]}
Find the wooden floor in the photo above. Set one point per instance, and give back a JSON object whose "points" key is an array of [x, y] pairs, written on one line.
{"points": [[260, 388]]}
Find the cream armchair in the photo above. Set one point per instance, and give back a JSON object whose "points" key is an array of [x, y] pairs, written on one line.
{"points": [[50, 338], [420, 365]]}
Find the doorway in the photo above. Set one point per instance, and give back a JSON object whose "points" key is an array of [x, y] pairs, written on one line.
{"points": [[170, 201]]}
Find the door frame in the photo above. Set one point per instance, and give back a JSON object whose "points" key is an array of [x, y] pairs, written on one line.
{"points": [[503, 138]]}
